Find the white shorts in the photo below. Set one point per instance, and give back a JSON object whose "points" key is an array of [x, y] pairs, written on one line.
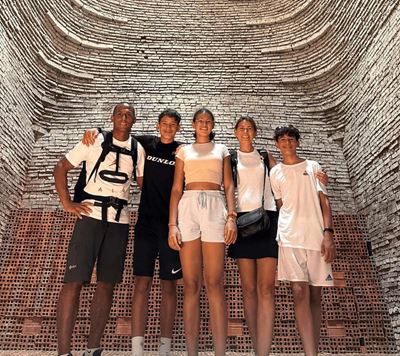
{"points": [[202, 214], [300, 265]]}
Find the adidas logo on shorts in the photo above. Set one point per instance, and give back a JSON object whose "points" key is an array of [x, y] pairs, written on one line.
{"points": [[329, 278]]}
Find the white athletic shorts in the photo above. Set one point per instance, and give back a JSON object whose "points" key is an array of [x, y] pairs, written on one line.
{"points": [[300, 265], [202, 214]]}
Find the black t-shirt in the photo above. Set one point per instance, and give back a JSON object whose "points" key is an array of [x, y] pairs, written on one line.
{"points": [[158, 177]]}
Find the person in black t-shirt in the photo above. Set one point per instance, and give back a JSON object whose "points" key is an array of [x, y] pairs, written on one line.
{"points": [[151, 232]]}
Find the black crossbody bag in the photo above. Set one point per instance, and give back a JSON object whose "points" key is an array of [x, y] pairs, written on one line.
{"points": [[255, 220]]}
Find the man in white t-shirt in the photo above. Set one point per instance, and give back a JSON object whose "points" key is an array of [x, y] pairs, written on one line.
{"points": [[305, 234], [101, 232]]}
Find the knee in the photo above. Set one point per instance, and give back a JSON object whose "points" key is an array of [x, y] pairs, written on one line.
{"points": [[105, 287], [142, 285], [214, 283], [168, 288], [249, 291], [299, 292], [192, 287], [266, 291], [71, 288]]}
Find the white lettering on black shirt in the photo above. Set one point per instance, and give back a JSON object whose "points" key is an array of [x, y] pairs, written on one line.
{"points": [[160, 160]]}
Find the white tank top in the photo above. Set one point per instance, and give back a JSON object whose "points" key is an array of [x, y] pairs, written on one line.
{"points": [[250, 171]]}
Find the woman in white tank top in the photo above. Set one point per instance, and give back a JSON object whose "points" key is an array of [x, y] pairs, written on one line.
{"points": [[256, 256], [201, 226]]}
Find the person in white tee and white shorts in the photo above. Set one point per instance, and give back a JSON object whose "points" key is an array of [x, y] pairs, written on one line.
{"points": [[305, 234]]}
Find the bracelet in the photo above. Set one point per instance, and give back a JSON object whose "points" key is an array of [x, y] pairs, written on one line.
{"points": [[329, 229], [231, 218], [232, 214]]}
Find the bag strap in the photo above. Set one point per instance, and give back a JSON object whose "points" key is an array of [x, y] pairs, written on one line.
{"points": [[234, 162], [134, 145], [263, 192], [265, 158], [106, 149]]}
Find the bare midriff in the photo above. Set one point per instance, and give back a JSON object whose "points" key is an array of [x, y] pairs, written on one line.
{"points": [[202, 186]]}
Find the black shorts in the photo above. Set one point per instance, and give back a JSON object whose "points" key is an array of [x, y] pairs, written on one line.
{"points": [[261, 245], [93, 240], [151, 240]]}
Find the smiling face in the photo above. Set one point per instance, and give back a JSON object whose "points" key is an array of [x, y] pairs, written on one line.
{"points": [[245, 132], [168, 127], [123, 118], [203, 124], [287, 145]]}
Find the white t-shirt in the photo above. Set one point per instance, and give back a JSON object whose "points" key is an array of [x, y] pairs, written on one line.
{"points": [[300, 223], [98, 186], [203, 162], [250, 172]]}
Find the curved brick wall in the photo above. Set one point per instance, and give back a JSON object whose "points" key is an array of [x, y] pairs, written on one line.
{"points": [[329, 67]]}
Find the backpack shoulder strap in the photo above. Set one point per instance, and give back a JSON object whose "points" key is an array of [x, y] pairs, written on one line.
{"points": [[264, 155], [107, 135], [134, 155], [234, 162]]}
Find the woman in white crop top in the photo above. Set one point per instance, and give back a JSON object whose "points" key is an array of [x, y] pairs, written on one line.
{"points": [[200, 226]]}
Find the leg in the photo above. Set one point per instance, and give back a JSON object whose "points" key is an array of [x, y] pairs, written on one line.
{"points": [[67, 310], [168, 307], [99, 312], [266, 269], [302, 308], [248, 280], [315, 302], [191, 260], [213, 259], [140, 304]]}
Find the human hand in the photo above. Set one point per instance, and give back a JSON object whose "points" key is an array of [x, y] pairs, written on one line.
{"points": [[322, 177], [174, 237], [78, 209], [328, 249], [89, 137], [230, 231]]}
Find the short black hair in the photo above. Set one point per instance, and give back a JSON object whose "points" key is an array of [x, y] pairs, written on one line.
{"points": [[246, 118], [124, 103], [170, 113], [289, 130], [210, 114]]}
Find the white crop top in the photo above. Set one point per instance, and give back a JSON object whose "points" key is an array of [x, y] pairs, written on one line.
{"points": [[203, 162]]}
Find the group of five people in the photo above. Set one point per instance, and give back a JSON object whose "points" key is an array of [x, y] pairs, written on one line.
{"points": [[186, 220]]}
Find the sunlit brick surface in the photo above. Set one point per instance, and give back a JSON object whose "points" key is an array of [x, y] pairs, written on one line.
{"points": [[355, 317]]}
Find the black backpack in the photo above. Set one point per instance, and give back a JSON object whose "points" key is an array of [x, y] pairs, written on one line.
{"points": [[234, 162], [108, 146]]}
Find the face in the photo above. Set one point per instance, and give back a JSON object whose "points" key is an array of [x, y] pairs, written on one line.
{"points": [[203, 125], [168, 128], [287, 144], [123, 118], [245, 132]]}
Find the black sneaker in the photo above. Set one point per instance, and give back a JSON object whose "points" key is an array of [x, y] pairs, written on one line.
{"points": [[95, 353]]}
